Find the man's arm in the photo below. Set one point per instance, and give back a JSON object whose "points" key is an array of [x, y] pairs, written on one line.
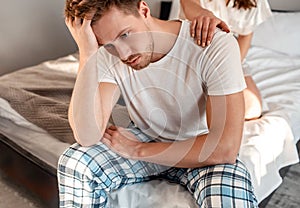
{"points": [[225, 116], [89, 122], [204, 22], [83, 117]]}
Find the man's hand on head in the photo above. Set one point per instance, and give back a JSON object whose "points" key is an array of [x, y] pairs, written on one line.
{"points": [[80, 27]]}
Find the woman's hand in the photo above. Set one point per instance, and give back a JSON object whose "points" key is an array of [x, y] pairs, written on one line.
{"points": [[204, 25], [83, 35]]}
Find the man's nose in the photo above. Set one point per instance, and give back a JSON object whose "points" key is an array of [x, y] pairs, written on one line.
{"points": [[123, 51]]}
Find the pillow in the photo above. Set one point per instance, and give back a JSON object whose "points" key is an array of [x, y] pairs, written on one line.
{"points": [[279, 33]]}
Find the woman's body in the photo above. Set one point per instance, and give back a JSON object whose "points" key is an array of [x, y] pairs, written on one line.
{"points": [[242, 21]]}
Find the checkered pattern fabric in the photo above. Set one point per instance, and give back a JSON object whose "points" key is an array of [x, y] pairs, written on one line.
{"points": [[87, 175]]}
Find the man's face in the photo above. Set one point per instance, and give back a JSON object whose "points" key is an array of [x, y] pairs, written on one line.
{"points": [[125, 36]]}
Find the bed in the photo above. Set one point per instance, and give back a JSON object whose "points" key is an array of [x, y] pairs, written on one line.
{"points": [[33, 120]]}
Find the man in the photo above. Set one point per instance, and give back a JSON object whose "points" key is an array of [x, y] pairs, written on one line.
{"points": [[186, 104]]}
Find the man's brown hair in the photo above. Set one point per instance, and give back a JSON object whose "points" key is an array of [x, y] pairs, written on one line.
{"points": [[81, 8]]}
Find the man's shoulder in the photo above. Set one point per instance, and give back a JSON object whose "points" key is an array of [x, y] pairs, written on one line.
{"points": [[222, 35], [223, 41], [220, 38]]}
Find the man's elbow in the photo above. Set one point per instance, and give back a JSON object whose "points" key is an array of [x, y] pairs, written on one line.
{"points": [[228, 158], [87, 143], [87, 139], [224, 156]]}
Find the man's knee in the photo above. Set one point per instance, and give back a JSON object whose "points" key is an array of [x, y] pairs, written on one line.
{"points": [[77, 177], [69, 157], [224, 186], [76, 161]]}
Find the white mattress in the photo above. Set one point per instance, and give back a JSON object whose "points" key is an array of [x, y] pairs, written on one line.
{"points": [[268, 143]]}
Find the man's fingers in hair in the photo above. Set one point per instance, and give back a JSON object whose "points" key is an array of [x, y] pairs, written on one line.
{"points": [[88, 18], [90, 15], [86, 22], [77, 21], [67, 21]]}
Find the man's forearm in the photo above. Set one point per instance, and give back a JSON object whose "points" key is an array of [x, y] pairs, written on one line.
{"points": [[196, 152], [91, 105], [225, 119]]}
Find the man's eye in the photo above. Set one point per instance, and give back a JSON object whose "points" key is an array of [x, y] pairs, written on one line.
{"points": [[108, 46], [125, 35]]}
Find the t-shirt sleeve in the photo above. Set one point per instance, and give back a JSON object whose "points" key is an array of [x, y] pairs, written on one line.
{"points": [[222, 71], [104, 69]]}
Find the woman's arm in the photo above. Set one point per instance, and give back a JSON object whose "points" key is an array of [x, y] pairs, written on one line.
{"points": [[244, 42], [204, 22], [253, 100]]}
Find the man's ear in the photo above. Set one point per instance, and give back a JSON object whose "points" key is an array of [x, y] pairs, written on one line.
{"points": [[144, 9]]}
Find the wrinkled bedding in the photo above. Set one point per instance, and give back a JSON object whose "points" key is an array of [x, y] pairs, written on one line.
{"points": [[42, 96]]}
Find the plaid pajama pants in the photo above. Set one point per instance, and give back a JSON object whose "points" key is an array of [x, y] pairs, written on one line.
{"points": [[86, 176]]}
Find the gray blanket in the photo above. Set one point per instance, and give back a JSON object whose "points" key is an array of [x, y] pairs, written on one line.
{"points": [[42, 97]]}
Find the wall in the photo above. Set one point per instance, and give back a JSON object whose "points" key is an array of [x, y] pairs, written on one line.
{"points": [[285, 5], [32, 31], [154, 7]]}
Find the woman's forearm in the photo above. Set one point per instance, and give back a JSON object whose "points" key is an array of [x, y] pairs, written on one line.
{"points": [[192, 8], [244, 42]]}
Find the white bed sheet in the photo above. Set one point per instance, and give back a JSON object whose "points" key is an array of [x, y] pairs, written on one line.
{"points": [[268, 143]]}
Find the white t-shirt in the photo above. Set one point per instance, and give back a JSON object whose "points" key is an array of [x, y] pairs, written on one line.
{"points": [[167, 99], [240, 21]]}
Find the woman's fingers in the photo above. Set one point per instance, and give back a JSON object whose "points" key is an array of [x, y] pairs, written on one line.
{"points": [[193, 28], [198, 34], [224, 26], [199, 30], [204, 31]]}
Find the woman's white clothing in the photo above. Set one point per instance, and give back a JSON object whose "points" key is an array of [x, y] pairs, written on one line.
{"points": [[240, 21]]}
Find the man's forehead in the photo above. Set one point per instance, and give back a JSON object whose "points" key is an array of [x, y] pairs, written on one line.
{"points": [[110, 33], [110, 25]]}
